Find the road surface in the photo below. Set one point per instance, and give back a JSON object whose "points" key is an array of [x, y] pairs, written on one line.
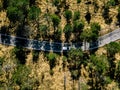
{"points": [[58, 47]]}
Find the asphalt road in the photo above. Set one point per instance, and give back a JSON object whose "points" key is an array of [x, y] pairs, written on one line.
{"points": [[58, 47]]}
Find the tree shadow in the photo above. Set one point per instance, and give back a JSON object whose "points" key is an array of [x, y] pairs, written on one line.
{"points": [[88, 17], [5, 38], [93, 47], [35, 54], [105, 15], [21, 42]]}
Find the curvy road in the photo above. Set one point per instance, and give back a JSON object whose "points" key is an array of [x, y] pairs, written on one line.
{"points": [[58, 47]]}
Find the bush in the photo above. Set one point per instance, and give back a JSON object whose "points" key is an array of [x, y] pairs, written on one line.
{"points": [[68, 15], [52, 60], [17, 10], [78, 1], [20, 76], [14, 14], [55, 19], [57, 35], [76, 15], [111, 3], [68, 30], [34, 13], [56, 2], [78, 26]]}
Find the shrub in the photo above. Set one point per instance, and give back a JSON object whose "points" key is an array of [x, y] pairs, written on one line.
{"points": [[56, 2], [68, 15], [78, 26], [55, 19], [52, 60], [78, 1], [111, 3], [34, 13], [76, 15]]}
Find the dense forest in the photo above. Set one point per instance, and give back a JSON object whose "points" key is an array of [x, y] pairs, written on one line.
{"points": [[60, 21]]}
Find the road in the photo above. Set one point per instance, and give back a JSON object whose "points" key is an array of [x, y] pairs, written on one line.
{"points": [[58, 47]]}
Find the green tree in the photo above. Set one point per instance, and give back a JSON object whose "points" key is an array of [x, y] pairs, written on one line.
{"points": [[78, 26], [68, 30], [56, 2], [86, 36], [76, 15], [68, 15], [52, 60], [34, 13], [56, 20], [21, 77], [75, 59], [78, 1], [95, 28], [98, 67], [112, 49], [118, 15], [17, 10], [57, 35]]}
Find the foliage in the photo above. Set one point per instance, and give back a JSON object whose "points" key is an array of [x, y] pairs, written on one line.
{"points": [[75, 59], [86, 35], [95, 28], [52, 60], [1, 60], [100, 63], [17, 10], [78, 26], [34, 13], [55, 19], [20, 76], [43, 30], [78, 1], [118, 16], [14, 14], [67, 30], [57, 34], [76, 15], [112, 48], [111, 3], [68, 15], [56, 2]]}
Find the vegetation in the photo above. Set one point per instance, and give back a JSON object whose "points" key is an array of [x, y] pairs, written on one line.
{"points": [[55, 20], [36, 19], [68, 15]]}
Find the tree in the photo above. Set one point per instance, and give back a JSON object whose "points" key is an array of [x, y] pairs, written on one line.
{"points": [[75, 59], [78, 1], [56, 2], [17, 10], [118, 16], [76, 15], [34, 13], [52, 60], [95, 28], [20, 77], [57, 35], [67, 30], [78, 26], [56, 20], [68, 15], [98, 67], [112, 49], [86, 36]]}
